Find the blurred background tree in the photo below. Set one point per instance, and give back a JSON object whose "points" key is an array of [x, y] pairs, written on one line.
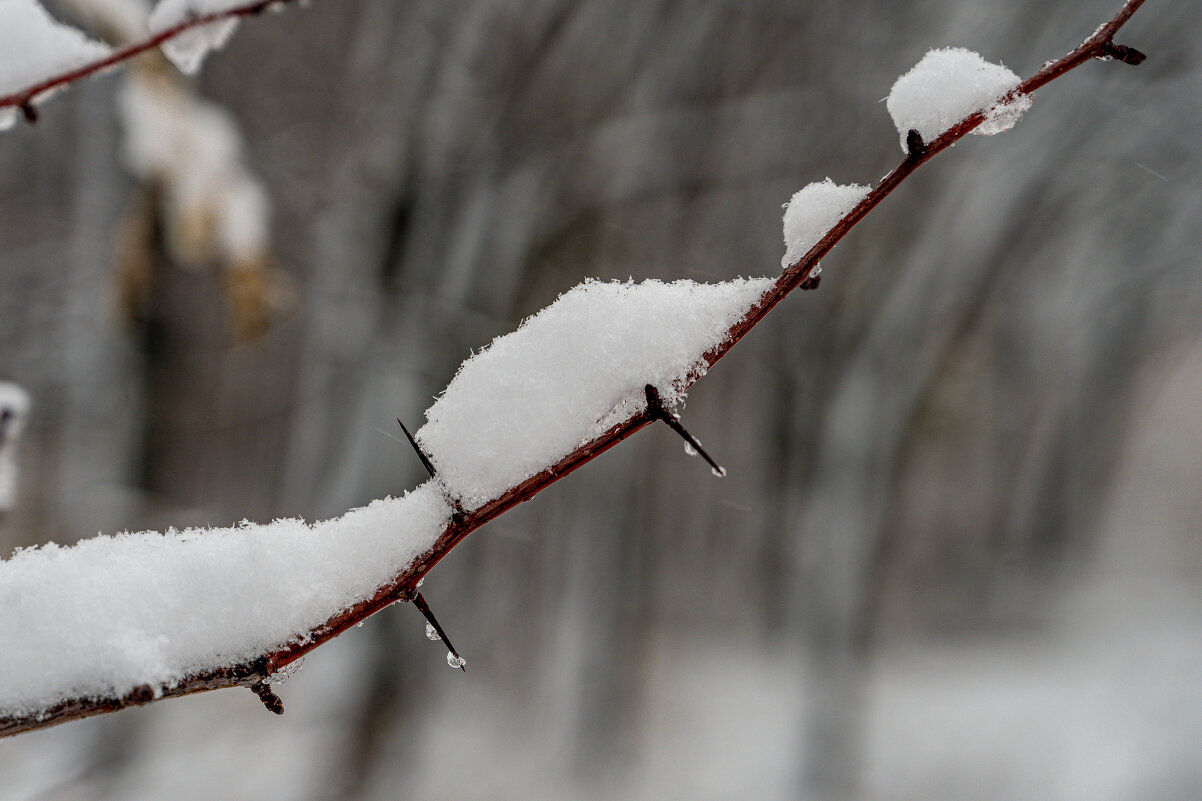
{"points": [[957, 554]]}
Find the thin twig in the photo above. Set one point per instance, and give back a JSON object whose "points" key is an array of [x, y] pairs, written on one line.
{"points": [[463, 523], [24, 98]]}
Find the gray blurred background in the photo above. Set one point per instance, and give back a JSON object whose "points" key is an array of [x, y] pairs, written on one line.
{"points": [[958, 552]]}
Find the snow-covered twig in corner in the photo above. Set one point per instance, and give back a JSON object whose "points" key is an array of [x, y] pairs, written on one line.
{"points": [[192, 23]]}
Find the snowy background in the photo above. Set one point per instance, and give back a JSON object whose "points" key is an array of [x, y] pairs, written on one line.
{"points": [[958, 554]]}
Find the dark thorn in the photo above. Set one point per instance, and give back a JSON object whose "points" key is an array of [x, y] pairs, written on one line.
{"points": [[424, 608], [420, 453], [1123, 53], [269, 699], [655, 407], [811, 282], [30, 112], [142, 694], [914, 144]]}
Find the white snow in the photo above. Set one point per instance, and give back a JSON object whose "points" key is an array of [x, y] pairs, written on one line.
{"points": [[570, 372], [35, 47], [111, 613], [948, 85], [188, 49], [14, 410], [813, 211]]}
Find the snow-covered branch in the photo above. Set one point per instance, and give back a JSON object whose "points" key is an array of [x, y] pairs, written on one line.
{"points": [[40, 56], [144, 616]]}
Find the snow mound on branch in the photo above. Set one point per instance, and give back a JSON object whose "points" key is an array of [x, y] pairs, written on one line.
{"points": [[948, 85], [35, 47], [813, 211], [187, 50], [102, 617], [570, 372]]}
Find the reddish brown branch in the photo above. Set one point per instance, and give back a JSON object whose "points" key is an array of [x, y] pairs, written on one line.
{"points": [[462, 524], [26, 97]]}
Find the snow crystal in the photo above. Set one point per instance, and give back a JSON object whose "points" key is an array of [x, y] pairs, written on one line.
{"points": [[570, 372], [14, 409], [187, 50], [813, 211], [948, 85], [35, 47], [111, 613]]}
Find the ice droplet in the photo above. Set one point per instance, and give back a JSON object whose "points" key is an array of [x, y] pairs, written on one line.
{"points": [[420, 582], [455, 661], [1003, 116], [431, 633], [689, 449], [187, 50], [359, 625], [816, 271], [719, 472]]}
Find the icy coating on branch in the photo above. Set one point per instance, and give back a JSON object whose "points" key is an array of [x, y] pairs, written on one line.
{"points": [[104, 616], [35, 47], [948, 85], [187, 51], [813, 211], [572, 371]]}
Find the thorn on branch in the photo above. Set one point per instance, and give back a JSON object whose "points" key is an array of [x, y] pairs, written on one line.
{"points": [[417, 448], [434, 632], [269, 699], [657, 410], [30, 112], [1123, 53], [914, 144]]}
